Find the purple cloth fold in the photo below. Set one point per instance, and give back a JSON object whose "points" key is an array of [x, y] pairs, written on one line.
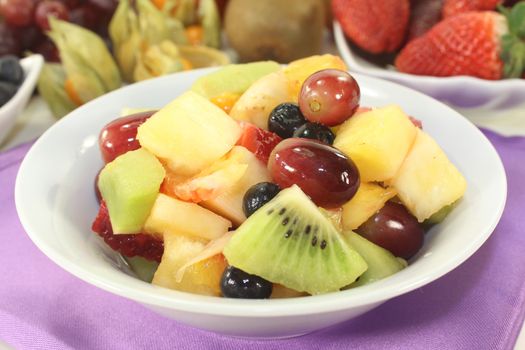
{"points": [[479, 305]]}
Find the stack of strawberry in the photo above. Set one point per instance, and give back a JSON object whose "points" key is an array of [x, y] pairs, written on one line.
{"points": [[479, 38]]}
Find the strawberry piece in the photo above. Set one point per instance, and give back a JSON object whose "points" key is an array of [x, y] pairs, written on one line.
{"points": [[258, 141], [375, 26], [466, 44], [424, 14], [140, 244], [417, 123], [454, 7]]}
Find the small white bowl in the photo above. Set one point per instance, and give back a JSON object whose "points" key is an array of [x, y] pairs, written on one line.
{"points": [[459, 91], [32, 65], [56, 203]]}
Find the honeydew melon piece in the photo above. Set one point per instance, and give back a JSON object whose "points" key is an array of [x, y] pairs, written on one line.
{"points": [[233, 79], [129, 185]]}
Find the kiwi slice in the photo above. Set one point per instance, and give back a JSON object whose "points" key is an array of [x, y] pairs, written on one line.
{"points": [[290, 242], [381, 263]]}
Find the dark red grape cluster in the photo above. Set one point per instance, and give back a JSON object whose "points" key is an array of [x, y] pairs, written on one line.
{"points": [[23, 23]]}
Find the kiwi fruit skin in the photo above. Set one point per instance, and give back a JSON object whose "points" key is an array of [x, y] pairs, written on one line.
{"points": [[290, 242], [274, 29]]}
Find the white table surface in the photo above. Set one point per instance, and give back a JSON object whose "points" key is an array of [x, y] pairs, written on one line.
{"points": [[36, 118]]}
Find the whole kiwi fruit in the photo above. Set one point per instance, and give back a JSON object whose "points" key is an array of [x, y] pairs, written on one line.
{"points": [[275, 29]]}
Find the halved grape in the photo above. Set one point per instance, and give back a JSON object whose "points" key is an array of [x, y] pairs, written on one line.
{"points": [[325, 174], [329, 97]]}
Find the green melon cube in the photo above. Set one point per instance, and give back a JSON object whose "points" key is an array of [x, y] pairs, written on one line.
{"points": [[129, 185], [233, 79]]}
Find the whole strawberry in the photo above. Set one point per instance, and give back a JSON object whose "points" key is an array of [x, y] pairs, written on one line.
{"points": [[487, 45], [377, 26], [454, 7]]}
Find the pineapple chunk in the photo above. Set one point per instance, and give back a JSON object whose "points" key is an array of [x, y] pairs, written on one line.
{"points": [[377, 141], [189, 134], [298, 71], [229, 202], [427, 181], [369, 198], [170, 215], [202, 277], [256, 103]]}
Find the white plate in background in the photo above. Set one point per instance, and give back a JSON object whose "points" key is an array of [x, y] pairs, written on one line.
{"points": [[460, 91], [32, 65]]}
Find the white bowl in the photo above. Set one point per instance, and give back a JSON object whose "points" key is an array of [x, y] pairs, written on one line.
{"points": [[460, 91], [56, 204], [10, 111]]}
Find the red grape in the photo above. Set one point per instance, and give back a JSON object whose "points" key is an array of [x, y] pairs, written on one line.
{"points": [[9, 45], [72, 4], [18, 13], [29, 36], [394, 229], [47, 49], [120, 135], [329, 97], [48, 8], [325, 174], [85, 16], [107, 6]]}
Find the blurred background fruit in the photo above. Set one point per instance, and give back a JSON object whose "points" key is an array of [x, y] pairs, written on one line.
{"points": [[426, 37], [24, 22], [273, 29], [96, 45], [374, 26]]}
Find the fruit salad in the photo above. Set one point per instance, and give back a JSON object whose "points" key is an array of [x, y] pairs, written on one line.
{"points": [[264, 181]]}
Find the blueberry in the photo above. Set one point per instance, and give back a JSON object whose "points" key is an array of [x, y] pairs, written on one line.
{"points": [[257, 196], [11, 70], [7, 90], [236, 283], [285, 119], [315, 131]]}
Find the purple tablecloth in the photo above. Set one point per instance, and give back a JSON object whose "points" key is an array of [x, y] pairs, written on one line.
{"points": [[479, 305]]}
